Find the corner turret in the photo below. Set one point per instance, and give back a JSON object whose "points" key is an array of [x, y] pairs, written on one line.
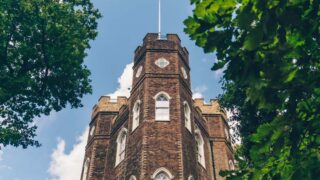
{"points": [[213, 107], [106, 104]]}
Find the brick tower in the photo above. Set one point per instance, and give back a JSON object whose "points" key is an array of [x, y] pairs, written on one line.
{"points": [[159, 132]]}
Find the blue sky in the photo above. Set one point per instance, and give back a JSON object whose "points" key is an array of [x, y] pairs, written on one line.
{"points": [[121, 30]]}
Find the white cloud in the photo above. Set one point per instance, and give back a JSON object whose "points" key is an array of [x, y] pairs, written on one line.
{"points": [[67, 166], [5, 167], [218, 73], [125, 82], [198, 91]]}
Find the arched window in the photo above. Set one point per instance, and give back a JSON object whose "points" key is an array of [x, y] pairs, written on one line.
{"points": [[139, 71], [226, 133], [184, 73], [92, 129], [136, 115], [162, 106], [191, 177], [231, 165], [200, 148], [121, 145], [162, 174], [132, 178], [187, 116], [85, 169]]}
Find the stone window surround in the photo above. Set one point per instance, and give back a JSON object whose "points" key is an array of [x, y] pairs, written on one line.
{"points": [[184, 73], [92, 129], [85, 169], [162, 170], [136, 115], [165, 107], [138, 73], [187, 115], [162, 62], [226, 132], [231, 165], [200, 147], [120, 153]]}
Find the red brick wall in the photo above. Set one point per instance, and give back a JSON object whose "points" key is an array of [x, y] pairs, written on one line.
{"points": [[98, 144], [221, 146]]}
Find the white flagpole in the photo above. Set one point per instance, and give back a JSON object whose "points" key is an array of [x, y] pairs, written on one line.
{"points": [[159, 20]]}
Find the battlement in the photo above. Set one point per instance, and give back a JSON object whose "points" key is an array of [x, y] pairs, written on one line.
{"points": [[151, 37], [107, 104], [169, 42], [212, 107]]}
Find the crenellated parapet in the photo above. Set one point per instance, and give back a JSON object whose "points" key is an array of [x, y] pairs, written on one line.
{"points": [[107, 104], [170, 42], [213, 107]]}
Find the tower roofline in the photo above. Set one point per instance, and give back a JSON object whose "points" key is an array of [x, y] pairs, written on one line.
{"points": [[213, 107], [107, 104], [171, 43], [168, 37]]}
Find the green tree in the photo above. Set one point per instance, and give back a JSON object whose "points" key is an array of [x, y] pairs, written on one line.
{"points": [[270, 53], [42, 49]]}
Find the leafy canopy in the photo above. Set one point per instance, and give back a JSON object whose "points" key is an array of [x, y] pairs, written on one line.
{"points": [[270, 51], [42, 48]]}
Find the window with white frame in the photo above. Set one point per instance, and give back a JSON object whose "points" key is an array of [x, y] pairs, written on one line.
{"points": [[85, 169], [162, 107], [121, 145], [187, 116], [136, 115], [139, 71], [132, 178], [93, 128], [231, 165], [226, 133], [162, 174], [184, 73], [200, 148], [191, 177]]}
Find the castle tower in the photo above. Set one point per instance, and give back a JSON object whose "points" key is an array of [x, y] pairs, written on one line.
{"points": [[161, 86], [159, 132]]}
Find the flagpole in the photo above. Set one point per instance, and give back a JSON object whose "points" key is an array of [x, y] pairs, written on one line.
{"points": [[159, 19]]}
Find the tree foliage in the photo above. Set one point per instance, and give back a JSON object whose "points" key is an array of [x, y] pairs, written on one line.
{"points": [[271, 54], [42, 49]]}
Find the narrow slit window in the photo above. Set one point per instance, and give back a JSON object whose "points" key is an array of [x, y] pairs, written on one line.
{"points": [[187, 116], [136, 115]]}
